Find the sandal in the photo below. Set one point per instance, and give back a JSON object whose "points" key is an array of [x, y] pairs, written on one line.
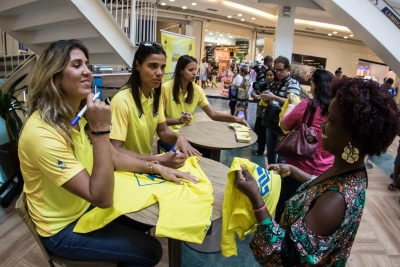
{"points": [[392, 187]]}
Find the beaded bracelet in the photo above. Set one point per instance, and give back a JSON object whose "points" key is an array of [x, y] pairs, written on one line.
{"points": [[263, 207], [101, 132]]}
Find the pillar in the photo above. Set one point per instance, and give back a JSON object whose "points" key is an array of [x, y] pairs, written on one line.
{"points": [[284, 33], [195, 28]]}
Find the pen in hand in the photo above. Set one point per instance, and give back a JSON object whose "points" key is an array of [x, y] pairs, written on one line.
{"points": [[80, 114], [175, 151]]}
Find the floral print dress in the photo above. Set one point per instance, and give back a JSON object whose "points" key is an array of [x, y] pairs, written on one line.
{"points": [[292, 244]]}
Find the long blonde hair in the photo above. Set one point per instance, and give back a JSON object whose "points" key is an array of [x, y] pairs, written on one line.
{"points": [[45, 95]]}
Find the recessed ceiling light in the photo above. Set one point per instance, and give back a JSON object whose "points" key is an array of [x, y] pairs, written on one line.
{"points": [[229, 17], [345, 37], [230, 36], [330, 34], [351, 35], [163, 4], [211, 33], [334, 32], [184, 7], [221, 35], [209, 44], [194, 4], [172, 0], [242, 19], [218, 44], [206, 30], [253, 18], [239, 15]]}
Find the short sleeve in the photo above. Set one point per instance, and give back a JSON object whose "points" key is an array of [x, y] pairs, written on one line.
{"points": [[161, 110], [52, 155], [294, 118], [203, 101], [120, 118], [294, 87]]}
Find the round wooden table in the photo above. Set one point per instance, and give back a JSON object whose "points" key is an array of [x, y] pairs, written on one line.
{"points": [[214, 135], [216, 173]]}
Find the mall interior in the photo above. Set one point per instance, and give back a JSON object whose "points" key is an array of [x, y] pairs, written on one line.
{"points": [[359, 36]]}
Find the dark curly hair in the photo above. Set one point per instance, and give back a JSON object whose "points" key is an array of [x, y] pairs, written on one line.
{"points": [[369, 113]]}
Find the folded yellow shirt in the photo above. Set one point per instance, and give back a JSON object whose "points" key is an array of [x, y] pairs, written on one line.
{"points": [[285, 106], [185, 211], [237, 212]]}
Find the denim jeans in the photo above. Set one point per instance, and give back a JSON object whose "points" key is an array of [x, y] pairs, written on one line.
{"points": [[118, 241], [272, 140]]}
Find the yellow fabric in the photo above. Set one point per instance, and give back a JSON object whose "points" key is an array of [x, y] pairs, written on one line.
{"points": [[47, 162], [128, 125], [185, 210], [237, 212], [285, 106], [174, 110]]}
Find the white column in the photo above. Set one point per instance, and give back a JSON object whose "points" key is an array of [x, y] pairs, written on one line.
{"points": [[284, 33], [252, 46], [195, 28]]}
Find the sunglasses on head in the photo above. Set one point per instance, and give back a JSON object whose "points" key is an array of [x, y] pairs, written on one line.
{"points": [[146, 43]]}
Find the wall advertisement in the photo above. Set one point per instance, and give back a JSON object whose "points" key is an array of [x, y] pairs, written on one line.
{"points": [[176, 45]]}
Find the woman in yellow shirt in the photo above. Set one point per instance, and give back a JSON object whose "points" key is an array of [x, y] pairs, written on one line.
{"points": [[181, 96], [69, 169], [138, 112]]}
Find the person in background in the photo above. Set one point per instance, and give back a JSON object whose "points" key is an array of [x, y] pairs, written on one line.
{"points": [[68, 170], [233, 88], [323, 160], [280, 91], [181, 96], [138, 111], [396, 172], [389, 86], [214, 80], [203, 73], [338, 73], [243, 92], [268, 61], [320, 221], [260, 129]]}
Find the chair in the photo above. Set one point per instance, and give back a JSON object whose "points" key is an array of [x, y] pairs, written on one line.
{"points": [[22, 209]]}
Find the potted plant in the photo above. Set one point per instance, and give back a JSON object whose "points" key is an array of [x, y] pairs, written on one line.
{"points": [[9, 105]]}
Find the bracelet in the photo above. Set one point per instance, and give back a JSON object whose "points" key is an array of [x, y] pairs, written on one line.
{"points": [[150, 165], [263, 207], [101, 132]]}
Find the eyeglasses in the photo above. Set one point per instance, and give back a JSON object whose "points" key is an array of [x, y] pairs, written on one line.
{"points": [[147, 43]]}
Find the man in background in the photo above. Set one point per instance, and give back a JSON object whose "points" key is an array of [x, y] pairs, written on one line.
{"points": [[389, 86]]}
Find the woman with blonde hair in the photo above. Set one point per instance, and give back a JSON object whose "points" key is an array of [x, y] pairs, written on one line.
{"points": [[69, 169]]}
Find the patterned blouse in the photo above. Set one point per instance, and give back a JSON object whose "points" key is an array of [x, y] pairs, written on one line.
{"points": [[292, 244]]}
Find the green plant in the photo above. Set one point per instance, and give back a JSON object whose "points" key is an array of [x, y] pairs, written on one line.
{"points": [[9, 104]]}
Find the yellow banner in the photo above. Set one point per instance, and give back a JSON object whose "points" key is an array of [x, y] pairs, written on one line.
{"points": [[175, 45]]}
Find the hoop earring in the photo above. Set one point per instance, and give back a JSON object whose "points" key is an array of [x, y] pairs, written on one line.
{"points": [[350, 153]]}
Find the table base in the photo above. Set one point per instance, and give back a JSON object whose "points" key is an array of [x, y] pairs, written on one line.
{"points": [[215, 154], [174, 252], [212, 242]]}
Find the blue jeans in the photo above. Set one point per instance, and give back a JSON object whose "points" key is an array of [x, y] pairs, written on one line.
{"points": [[272, 140], [115, 242]]}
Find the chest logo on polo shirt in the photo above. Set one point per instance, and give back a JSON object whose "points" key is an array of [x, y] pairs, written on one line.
{"points": [[62, 165]]}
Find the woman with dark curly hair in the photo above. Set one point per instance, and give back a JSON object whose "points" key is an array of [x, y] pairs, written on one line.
{"points": [[321, 219], [293, 116]]}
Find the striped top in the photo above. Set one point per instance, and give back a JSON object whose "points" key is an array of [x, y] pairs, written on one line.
{"points": [[287, 86]]}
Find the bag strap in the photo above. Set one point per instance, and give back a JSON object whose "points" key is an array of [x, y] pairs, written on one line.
{"points": [[310, 110]]}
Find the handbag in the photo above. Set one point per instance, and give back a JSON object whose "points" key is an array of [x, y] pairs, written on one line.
{"points": [[300, 143]]}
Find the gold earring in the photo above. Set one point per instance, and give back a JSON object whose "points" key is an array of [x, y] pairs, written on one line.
{"points": [[350, 154]]}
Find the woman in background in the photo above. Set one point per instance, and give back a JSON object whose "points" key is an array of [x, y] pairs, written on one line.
{"points": [[338, 73], [233, 88], [243, 92], [320, 221]]}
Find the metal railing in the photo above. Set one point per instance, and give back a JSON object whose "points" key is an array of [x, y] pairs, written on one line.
{"points": [[136, 18]]}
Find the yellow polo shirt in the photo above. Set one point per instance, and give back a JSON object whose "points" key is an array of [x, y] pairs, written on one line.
{"points": [[129, 125], [174, 110], [47, 162]]}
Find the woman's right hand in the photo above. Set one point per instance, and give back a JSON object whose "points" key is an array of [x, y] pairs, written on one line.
{"points": [[98, 114], [246, 183], [282, 169], [172, 160], [174, 175], [185, 119]]}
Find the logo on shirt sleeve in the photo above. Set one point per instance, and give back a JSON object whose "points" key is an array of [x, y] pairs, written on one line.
{"points": [[263, 180], [62, 165]]}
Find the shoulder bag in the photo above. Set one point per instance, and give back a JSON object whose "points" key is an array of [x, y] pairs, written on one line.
{"points": [[301, 142]]}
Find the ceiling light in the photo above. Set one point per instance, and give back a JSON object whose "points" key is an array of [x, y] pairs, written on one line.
{"points": [[335, 32], [218, 44], [206, 30], [163, 4], [211, 33], [194, 4], [231, 36], [221, 35], [242, 19], [253, 18], [229, 17], [209, 44], [239, 15], [184, 7], [330, 34], [351, 35], [345, 37], [172, 0]]}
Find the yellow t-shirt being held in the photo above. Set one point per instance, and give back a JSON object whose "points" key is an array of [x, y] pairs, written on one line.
{"points": [[174, 110], [130, 125], [47, 162]]}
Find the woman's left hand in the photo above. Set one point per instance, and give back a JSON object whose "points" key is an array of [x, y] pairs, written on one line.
{"points": [[183, 145], [246, 183]]}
